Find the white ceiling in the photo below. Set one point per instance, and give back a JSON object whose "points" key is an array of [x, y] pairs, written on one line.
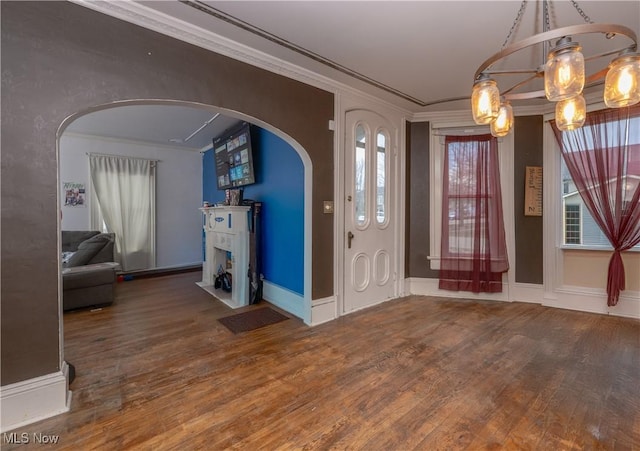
{"points": [[166, 125], [415, 54]]}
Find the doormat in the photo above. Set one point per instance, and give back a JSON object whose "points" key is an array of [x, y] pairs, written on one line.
{"points": [[251, 320]]}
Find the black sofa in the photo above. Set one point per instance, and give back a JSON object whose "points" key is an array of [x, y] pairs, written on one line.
{"points": [[89, 274]]}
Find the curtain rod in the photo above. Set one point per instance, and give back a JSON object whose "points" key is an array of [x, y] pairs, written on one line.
{"points": [[120, 156]]}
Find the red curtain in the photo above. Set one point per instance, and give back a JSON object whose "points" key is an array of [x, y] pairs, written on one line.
{"points": [[473, 248], [603, 158]]}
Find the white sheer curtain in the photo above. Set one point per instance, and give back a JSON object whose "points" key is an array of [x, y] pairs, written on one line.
{"points": [[124, 192]]}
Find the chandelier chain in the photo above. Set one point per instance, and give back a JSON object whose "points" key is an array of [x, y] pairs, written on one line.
{"points": [[586, 18], [515, 22], [545, 9]]}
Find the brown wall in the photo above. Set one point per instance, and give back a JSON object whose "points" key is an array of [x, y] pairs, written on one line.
{"points": [[417, 186], [528, 148], [59, 58], [528, 152]]}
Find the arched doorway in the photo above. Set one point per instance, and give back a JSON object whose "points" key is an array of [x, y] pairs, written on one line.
{"points": [[299, 306], [54, 73]]}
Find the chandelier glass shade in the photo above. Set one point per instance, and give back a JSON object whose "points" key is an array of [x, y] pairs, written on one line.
{"points": [[502, 125], [485, 99], [564, 71], [621, 86], [564, 74], [571, 113]]}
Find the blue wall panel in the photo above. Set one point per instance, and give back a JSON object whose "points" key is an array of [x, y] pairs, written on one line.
{"points": [[280, 187]]}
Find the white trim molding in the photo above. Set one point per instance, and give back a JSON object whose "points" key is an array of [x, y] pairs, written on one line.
{"points": [[594, 300], [429, 287], [516, 292], [323, 310], [527, 292], [35, 399], [143, 16], [566, 297], [285, 299], [157, 21]]}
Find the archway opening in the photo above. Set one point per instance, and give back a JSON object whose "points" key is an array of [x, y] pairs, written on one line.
{"points": [[74, 143]]}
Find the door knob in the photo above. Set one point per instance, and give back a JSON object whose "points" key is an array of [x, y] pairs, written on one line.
{"points": [[349, 238]]}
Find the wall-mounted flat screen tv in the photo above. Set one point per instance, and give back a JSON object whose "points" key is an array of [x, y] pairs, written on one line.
{"points": [[234, 158]]}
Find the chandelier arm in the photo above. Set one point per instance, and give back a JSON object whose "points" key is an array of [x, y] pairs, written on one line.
{"points": [[595, 77], [555, 34], [591, 81], [449, 99], [511, 71], [525, 95], [612, 52], [517, 85]]}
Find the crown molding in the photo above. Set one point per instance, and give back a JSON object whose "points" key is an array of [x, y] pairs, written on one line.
{"points": [[145, 17], [443, 116]]}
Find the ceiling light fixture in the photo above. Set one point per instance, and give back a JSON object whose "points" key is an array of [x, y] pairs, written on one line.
{"points": [[563, 72], [207, 122]]}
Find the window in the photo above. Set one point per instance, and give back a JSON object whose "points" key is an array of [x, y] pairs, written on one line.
{"points": [[579, 226], [370, 172], [473, 252], [572, 224], [381, 177], [461, 199], [464, 209], [360, 176], [124, 201]]}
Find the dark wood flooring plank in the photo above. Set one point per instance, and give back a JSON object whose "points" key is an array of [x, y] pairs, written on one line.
{"points": [[157, 371]]}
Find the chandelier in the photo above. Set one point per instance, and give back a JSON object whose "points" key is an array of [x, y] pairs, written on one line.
{"points": [[563, 72]]}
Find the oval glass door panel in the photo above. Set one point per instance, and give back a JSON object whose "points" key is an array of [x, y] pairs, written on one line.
{"points": [[360, 272], [381, 177], [360, 175]]}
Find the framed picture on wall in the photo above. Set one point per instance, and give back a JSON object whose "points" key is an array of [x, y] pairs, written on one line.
{"points": [[74, 194]]}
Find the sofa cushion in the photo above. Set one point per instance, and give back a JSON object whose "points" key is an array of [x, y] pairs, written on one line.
{"points": [[89, 275], [71, 239], [88, 249]]}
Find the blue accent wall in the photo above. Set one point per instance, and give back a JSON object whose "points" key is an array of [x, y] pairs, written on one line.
{"points": [[280, 187]]}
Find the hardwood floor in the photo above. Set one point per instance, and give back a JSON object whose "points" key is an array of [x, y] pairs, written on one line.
{"points": [[157, 371]]}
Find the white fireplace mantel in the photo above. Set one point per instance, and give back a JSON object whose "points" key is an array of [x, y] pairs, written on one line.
{"points": [[227, 235]]}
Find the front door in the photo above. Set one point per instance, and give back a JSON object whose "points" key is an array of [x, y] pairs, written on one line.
{"points": [[370, 270]]}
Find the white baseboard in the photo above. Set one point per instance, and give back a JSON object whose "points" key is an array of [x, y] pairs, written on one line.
{"points": [[35, 399], [569, 298], [283, 298], [429, 287], [323, 310], [421, 286], [594, 301], [527, 292]]}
